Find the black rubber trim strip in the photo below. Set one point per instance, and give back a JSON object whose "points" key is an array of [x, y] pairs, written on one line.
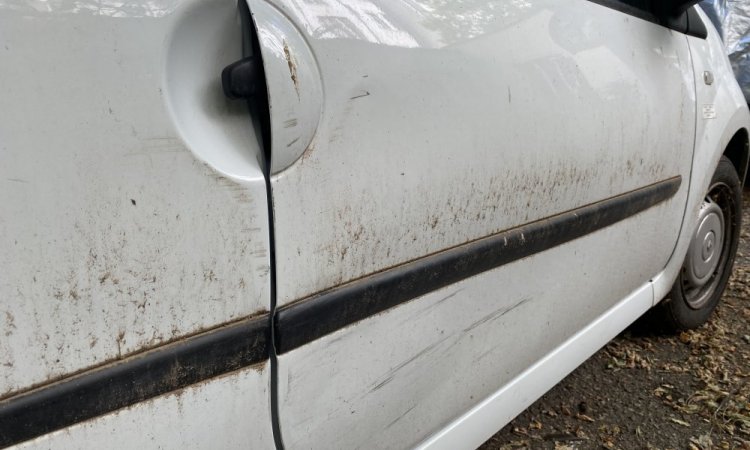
{"points": [[696, 27], [688, 23], [133, 380], [321, 314], [618, 5]]}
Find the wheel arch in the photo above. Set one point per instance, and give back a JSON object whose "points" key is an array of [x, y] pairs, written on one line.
{"points": [[738, 151]]}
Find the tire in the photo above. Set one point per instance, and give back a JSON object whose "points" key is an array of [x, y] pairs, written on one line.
{"points": [[698, 288]]}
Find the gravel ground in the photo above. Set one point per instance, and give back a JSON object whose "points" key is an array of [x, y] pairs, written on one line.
{"points": [[650, 391]]}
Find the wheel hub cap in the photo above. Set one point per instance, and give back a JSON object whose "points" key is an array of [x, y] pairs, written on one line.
{"points": [[705, 249]]}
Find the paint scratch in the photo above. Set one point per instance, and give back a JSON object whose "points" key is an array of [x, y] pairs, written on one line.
{"points": [[495, 315], [360, 96], [292, 67], [399, 417]]}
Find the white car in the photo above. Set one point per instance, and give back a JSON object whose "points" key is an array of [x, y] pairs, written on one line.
{"points": [[408, 221]]}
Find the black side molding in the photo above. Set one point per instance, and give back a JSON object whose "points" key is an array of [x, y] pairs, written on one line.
{"points": [[138, 378], [328, 311]]}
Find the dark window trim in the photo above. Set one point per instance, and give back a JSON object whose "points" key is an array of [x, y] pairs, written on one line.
{"points": [[689, 23], [627, 9]]}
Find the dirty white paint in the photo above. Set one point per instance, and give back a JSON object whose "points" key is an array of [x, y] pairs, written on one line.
{"points": [[445, 124], [293, 83], [481, 422], [223, 413], [133, 209], [532, 110], [124, 224], [395, 379]]}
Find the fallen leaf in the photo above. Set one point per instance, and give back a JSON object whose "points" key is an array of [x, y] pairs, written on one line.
{"points": [[680, 422]]}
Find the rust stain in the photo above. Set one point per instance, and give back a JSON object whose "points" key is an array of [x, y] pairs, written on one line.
{"points": [[292, 67], [307, 153]]}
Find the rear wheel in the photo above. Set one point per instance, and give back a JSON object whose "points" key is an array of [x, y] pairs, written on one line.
{"points": [[710, 258]]}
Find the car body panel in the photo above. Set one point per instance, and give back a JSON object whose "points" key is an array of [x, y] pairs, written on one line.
{"points": [[368, 199], [395, 379], [220, 413], [125, 225], [482, 421], [437, 129], [135, 215]]}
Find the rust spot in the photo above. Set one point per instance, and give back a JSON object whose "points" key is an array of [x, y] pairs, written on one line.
{"points": [[292, 67], [306, 154]]}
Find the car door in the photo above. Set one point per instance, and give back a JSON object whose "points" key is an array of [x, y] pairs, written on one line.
{"points": [[458, 188], [134, 233]]}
